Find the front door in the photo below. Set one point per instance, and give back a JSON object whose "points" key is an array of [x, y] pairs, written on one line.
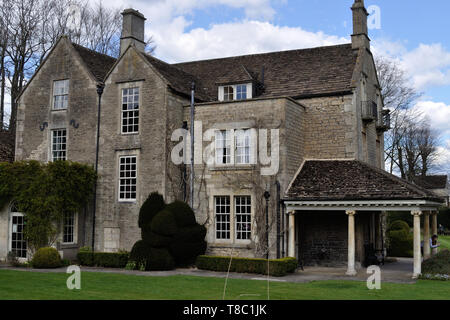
{"points": [[18, 244]]}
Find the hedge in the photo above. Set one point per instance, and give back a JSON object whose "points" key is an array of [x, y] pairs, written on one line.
{"points": [[277, 268], [103, 259]]}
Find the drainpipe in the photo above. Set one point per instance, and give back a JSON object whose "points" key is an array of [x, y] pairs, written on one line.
{"points": [[192, 146], [267, 196], [100, 88], [277, 184]]}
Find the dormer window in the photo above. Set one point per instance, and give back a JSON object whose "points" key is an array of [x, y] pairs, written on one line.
{"points": [[235, 92]]}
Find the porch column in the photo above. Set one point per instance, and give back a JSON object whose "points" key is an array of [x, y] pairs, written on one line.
{"points": [[291, 247], [351, 271], [417, 256], [434, 229], [426, 235]]}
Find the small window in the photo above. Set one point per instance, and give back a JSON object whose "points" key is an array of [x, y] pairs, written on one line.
{"points": [[243, 210], [222, 212], [223, 147], [130, 110], [59, 144], [241, 92], [60, 94], [68, 228], [228, 93], [18, 242], [127, 178]]}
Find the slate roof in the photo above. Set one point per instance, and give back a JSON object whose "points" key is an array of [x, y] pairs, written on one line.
{"points": [[293, 73], [431, 182], [99, 64], [335, 180]]}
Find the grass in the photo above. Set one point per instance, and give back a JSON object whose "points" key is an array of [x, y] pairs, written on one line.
{"points": [[52, 286], [445, 242]]}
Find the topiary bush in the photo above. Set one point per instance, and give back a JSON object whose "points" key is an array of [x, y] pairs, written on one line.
{"points": [[170, 233], [150, 208], [400, 239], [437, 264], [399, 225], [46, 258]]}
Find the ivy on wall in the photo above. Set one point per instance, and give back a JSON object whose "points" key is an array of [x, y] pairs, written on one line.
{"points": [[44, 192]]}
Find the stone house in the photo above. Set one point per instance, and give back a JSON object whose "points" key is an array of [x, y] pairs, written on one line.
{"points": [[288, 146]]}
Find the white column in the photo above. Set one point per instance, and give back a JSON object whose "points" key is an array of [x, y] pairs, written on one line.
{"points": [[351, 271], [417, 256], [434, 229], [426, 235], [291, 249]]}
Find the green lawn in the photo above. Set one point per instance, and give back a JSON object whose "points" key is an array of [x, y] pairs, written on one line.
{"points": [[445, 242], [37, 285]]}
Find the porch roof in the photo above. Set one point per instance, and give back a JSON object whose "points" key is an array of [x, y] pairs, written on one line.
{"points": [[355, 184]]}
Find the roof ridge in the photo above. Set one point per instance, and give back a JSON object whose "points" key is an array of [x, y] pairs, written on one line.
{"points": [[91, 50], [262, 54]]}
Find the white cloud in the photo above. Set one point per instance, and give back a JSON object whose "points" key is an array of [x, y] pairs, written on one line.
{"points": [[438, 114], [428, 65], [443, 160], [235, 38]]}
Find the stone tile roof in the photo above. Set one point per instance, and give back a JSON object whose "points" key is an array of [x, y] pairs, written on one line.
{"points": [[99, 64], [294, 73], [431, 182], [6, 147], [179, 80], [336, 180]]}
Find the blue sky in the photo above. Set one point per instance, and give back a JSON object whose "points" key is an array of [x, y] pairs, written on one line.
{"points": [[414, 33]]}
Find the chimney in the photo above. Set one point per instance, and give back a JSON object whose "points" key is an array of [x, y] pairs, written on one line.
{"points": [[132, 30], [360, 36]]}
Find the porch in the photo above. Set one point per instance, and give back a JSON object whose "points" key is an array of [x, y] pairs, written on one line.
{"points": [[351, 199]]}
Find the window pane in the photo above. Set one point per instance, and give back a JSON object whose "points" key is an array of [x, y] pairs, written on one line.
{"points": [[222, 213], [130, 110], [243, 217], [127, 178], [59, 146]]}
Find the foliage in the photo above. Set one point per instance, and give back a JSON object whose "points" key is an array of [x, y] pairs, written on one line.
{"points": [[12, 259], [444, 217], [437, 264], [277, 268], [400, 239], [47, 257], [103, 259], [44, 192], [152, 205], [170, 235]]}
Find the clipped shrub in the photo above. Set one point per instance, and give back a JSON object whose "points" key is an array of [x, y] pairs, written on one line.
{"points": [[157, 240], [277, 267], [399, 225], [103, 259], [188, 244], [140, 253], [400, 243], [437, 264], [159, 259], [164, 223], [150, 208], [183, 214], [46, 258]]}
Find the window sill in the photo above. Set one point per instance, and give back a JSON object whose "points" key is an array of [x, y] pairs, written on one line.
{"points": [[226, 245], [57, 110], [233, 167]]}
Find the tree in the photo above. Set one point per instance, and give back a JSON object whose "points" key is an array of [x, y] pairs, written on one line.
{"points": [[411, 144]]}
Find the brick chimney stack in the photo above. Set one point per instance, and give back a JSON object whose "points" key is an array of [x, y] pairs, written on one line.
{"points": [[360, 36], [132, 30]]}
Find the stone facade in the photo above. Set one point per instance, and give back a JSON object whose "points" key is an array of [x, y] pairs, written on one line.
{"points": [[327, 126]]}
